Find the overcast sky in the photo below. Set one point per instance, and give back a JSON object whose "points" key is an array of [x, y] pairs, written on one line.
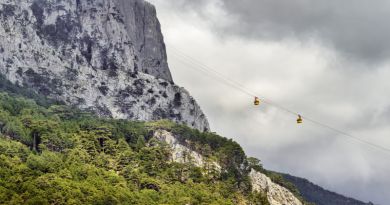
{"points": [[325, 59]]}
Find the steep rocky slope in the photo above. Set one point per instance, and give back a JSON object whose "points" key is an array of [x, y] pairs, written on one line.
{"points": [[143, 28], [104, 55], [276, 194], [183, 154]]}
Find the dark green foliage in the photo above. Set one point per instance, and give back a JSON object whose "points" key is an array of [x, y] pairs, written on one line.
{"points": [[320, 196], [60, 155], [15, 90]]}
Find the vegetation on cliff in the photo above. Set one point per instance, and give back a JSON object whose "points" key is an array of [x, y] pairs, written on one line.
{"points": [[60, 155]]}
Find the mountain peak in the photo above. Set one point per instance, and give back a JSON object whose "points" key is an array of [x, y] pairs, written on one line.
{"points": [[107, 56], [144, 29]]}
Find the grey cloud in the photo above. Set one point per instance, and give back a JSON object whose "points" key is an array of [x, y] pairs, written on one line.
{"points": [[309, 161], [358, 29], [345, 93]]}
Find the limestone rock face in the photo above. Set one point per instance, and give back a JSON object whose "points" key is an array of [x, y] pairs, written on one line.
{"points": [[276, 194], [144, 30], [182, 154], [104, 55]]}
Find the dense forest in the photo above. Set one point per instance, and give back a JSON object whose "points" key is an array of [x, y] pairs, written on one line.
{"points": [[60, 155], [54, 154]]}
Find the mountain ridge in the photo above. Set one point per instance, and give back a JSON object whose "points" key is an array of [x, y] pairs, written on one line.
{"points": [[320, 196]]}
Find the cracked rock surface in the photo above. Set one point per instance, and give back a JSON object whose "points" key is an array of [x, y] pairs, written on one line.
{"points": [[276, 194], [183, 154], [103, 55]]}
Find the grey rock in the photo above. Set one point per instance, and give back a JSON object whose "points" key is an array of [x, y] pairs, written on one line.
{"points": [[183, 154], [144, 30], [87, 53], [276, 194]]}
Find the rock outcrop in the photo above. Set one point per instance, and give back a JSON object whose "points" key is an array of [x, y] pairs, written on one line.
{"points": [[103, 55], [182, 154], [276, 194], [143, 28]]}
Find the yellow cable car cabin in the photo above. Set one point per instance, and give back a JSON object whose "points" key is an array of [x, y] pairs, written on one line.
{"points": [[299, 120], [257, 101]]}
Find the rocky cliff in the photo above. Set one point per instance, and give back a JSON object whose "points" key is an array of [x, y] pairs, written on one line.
{"points": [[183, 154], [276, 194], [143, 28], [107, 56]]}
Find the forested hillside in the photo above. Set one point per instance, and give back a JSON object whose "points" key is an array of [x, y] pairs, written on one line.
{"points": [[59, 155]]}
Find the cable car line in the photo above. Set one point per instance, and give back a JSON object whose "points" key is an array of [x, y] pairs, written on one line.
{"points": [[199, 66], [228, 81], [382, 148], [207, 70]]}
